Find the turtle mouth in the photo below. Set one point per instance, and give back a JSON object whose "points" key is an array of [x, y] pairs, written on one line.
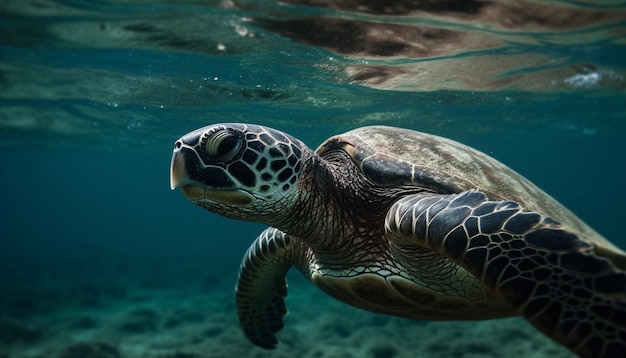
{"points": [[197, 193]]}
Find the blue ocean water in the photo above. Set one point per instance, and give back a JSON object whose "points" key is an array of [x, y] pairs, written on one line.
{"points": [[98, 256]]}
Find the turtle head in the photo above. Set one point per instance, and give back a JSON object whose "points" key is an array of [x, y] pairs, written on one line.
{"points": [[241, 171]]}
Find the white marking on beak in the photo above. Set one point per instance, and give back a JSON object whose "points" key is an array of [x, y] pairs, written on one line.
{"points": [[178, 175]]}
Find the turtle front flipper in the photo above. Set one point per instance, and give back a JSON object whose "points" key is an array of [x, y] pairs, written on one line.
{"points": [[549, 274], [262, 286]]}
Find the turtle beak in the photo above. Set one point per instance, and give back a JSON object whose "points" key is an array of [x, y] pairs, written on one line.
{"points": [[178, 173]]}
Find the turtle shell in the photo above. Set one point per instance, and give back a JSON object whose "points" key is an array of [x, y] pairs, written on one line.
{"points": [[391, 156]]}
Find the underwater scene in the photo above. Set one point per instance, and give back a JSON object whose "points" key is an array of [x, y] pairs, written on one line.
{"points": [[99, 258]]}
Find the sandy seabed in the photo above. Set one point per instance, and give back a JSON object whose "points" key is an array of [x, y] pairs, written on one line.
{"points": [[186, 315]]}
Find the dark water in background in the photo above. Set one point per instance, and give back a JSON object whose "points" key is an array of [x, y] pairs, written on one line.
{"points": [[94, 93]]}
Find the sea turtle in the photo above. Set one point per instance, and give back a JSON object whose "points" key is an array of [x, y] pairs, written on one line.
{"points": [[408, 224]]}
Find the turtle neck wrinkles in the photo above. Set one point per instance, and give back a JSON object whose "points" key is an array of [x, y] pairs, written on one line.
{"points": [[340, 213]]}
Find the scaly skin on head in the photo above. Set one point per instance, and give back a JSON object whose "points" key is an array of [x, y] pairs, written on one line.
{"points": [[241, 171]]}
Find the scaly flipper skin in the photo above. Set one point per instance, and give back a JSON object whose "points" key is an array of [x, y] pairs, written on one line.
{"points": [[530, 261], [262, 287]]}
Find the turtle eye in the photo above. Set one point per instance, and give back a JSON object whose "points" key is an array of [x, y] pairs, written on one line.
{"points": [[222, 144]]}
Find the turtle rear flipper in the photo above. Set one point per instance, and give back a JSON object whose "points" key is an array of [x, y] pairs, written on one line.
{"points": [[262, 286], [550, 275]]}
